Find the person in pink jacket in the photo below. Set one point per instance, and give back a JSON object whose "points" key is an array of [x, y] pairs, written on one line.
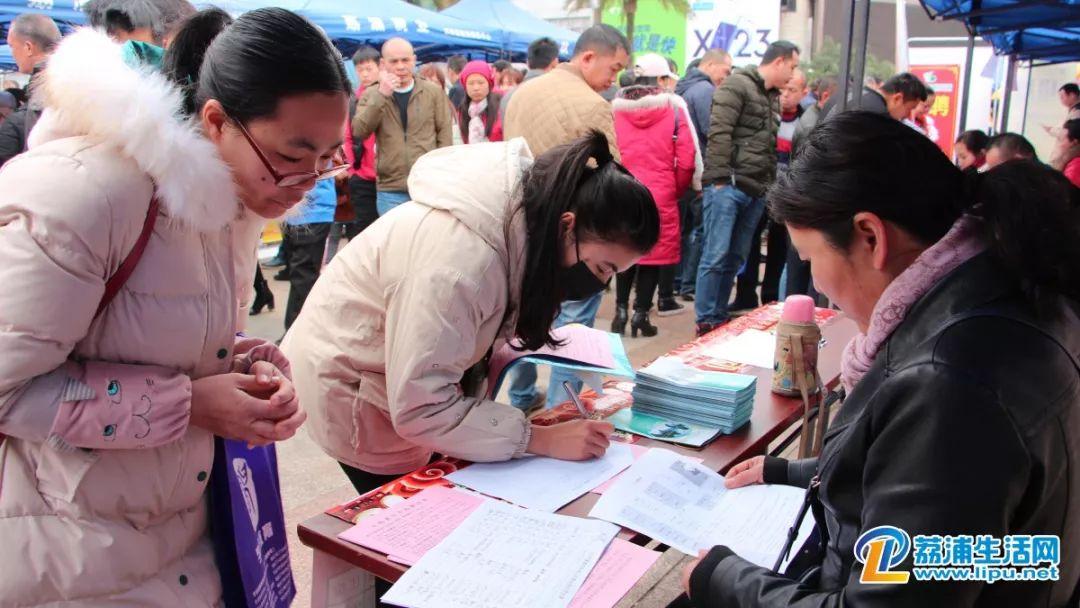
{"points": [[659, 146], [109, 416], [478, 113]]}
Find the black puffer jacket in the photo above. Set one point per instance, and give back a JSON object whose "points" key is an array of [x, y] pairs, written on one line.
{"points": [[967, 423], [742, 133]]}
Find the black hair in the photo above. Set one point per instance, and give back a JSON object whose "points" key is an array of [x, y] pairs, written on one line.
{"points": [[974, 140], [674, 67], [648, 81], [542, 52], [366, 53], [602, 39], [906, 83], [20, 96], [1070, 88], [456, 63], [491, 114], [250, 64], [780, 49], [1072, 129], [161, 17], [627, 79], [861, 161], [1013, 145], [501, 65], [609, 205]]}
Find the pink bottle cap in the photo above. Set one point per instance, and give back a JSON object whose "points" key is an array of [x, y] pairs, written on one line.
{"points": [[798, 309]]}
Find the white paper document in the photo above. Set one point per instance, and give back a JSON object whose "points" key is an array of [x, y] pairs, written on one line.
{"points": [[543, 483], [686, 506], [752, 347], [503, 556]]}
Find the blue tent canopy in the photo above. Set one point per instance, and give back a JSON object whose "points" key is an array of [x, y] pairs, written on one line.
{"points": [[347, 24], [990, 16], [373, 22], [516, 27], [1040, 45], [1043, 31]]}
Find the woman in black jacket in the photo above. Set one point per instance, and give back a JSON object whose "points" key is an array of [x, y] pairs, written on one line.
{"points": [[963, 407]]}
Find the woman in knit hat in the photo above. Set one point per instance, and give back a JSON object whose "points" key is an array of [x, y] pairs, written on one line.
{"points": [[478, 112]]}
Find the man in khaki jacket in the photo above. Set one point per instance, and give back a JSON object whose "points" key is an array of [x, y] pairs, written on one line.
{"points": [[409, 118], [565, 103], [554, 109]]}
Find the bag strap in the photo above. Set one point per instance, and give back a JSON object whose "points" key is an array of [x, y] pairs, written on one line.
{"points": [[117, 280]]}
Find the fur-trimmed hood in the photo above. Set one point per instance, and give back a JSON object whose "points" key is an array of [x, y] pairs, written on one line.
{"points": [[88, 90], [645, 110]]}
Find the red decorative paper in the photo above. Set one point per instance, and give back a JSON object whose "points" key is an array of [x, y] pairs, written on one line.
{"points": [[402, 488]]}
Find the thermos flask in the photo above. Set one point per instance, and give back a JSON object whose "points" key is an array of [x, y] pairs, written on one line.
{"points": [[795, 371]]}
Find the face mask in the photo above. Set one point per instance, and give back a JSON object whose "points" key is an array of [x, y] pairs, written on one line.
{"points": [[580, 282]]}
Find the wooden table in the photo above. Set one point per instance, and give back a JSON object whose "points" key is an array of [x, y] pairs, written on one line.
{"points": [[772, 416]]}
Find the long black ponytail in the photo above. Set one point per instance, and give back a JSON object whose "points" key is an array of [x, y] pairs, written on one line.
{"points": [[861, 161], [250, 64], [609, 205]]}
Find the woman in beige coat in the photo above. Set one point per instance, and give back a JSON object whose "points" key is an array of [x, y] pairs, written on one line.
{"points": [[388, 354], [109, 418]]}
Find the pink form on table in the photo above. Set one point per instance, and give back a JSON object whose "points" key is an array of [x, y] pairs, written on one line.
{"points": [[637, 451], [619, 568], [408, 529], [581, 344]]}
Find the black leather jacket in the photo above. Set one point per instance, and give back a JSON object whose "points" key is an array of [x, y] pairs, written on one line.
{"points": [[967, 423]]}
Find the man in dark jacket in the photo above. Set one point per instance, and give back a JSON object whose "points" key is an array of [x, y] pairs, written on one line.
{"points": [[697, 89], [32, 38], [740, 163], [698, 86], [454, 66], [897, 97]]}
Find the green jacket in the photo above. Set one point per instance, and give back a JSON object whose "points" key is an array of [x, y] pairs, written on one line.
{"points": [[742, 133]]}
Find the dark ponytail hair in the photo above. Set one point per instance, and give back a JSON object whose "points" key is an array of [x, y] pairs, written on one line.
{"points": [[608, 204], [861, 161], [250, 64]]}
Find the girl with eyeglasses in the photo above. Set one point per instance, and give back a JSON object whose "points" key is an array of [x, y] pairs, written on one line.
{"points": [[128, 234]]}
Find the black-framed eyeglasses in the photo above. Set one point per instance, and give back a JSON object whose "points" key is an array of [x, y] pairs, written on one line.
{"points": [[285, 180]]}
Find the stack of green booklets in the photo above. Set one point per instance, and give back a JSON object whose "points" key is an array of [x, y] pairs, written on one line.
{"points": [[670, 389]]}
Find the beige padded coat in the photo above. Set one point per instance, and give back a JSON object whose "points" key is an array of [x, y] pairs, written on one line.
{"points": [[400, 314], [123, 523]]}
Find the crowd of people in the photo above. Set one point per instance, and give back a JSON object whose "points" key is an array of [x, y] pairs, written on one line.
{"points": [[486, 205]]}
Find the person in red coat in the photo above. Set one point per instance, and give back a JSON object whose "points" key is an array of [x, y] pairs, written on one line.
{"points": [[659, 147], [478, 113]]}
